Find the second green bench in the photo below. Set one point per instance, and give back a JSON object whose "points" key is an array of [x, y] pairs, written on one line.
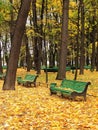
{"points": [[70, 88]]}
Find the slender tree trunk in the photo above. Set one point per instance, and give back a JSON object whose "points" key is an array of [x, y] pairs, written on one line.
{"points": [[51, 55], [97, 58], [77, 39], [64, 41], [97, 49], [41, 32], [12, 22], [93, 54], [82, 51], [1, 70], [35, 38], [9, 82], [28, 56], [93, 42], [87, 54], [40, 39], [5, 50]]}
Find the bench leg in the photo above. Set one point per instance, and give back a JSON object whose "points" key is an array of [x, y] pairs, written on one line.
{"points": [[84, 97], [18, 83], [34, 84], [51, 92], [73, 95]]}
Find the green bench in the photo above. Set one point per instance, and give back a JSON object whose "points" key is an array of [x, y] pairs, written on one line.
{"points": [[55, 69], [70, 88], [27, 80], [87, 67]]}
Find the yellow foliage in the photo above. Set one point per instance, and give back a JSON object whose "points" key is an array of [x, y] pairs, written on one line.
{"points": [[34, 109]]}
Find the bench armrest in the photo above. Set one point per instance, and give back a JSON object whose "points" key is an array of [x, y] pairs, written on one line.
{"points": [[53, 85], [19, 78]]}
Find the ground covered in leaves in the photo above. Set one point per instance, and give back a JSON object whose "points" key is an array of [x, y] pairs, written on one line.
{"points": [[34, 109]]}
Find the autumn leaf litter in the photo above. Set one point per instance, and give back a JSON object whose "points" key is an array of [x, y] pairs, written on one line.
{"points": [[34, 109]]}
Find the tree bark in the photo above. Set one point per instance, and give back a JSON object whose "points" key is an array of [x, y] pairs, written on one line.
{"points": [[77, 52], [28, 56], [9, 82], [82, 51], [12, 22], [94, 39], [64, 41], [1, 70], [35, 38]]}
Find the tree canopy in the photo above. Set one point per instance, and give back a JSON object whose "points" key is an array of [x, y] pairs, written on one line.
{"points": [[42, 36]]}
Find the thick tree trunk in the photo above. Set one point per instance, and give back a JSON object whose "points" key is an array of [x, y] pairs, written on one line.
{"points": [[9, 82], [64, 39]]}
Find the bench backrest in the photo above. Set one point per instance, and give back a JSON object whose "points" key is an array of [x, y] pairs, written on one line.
{"points": [[74, 85], [30, 77]]}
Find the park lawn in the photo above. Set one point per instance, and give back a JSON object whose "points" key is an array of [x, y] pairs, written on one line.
{"points": [[34, 109]]}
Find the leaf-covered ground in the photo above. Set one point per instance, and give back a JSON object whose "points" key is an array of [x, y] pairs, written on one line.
{"points": [[34, 108]]}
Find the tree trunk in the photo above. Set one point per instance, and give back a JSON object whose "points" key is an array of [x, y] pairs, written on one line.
{"points": [[94, 40], [97, 58], [87, 54], [1, 70], [82, 51], [9, 82], [5, 50], [51, 56], [93, 54], [41, 32], [77, 52], [64, 41], [35, 38], [12, 22], [28, 56]]}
